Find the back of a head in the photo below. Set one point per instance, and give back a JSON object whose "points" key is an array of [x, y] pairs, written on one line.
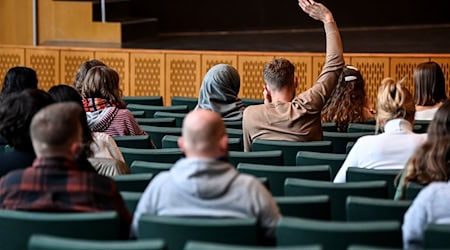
{"points": [[279, 73], [202, 132], [65, 93], [394, 101], [222, 79], [102, 82], [346, 103], [18, 79], [55, 127], [440, 125], [16, 112], [429, 84], [82, 71]]}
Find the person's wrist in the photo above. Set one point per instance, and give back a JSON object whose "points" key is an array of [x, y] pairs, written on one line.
{"points": [[328, 19]]}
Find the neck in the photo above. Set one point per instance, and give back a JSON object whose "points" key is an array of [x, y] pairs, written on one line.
{"points": [[282, 96]]}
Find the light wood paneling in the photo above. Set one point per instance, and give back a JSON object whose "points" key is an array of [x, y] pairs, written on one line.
{"points": [[16, 17], [147, 74], [183, 75], [251, 71], [303, 71], [71, 62], [403, 67], [10, 57], [208, 61], [46, 63], [120, 62]]}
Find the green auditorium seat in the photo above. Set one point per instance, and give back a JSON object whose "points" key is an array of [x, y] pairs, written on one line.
{"points": [[412, 190], [190, 102], [273, 157], [176, 231], [278, 174], [290, 148], [333, 235], [361, 127], [179, 117], [18, 226], [149, 167], [138, 113], [335, 161], [133, 141], [233, 124], [317, 207], [198, 245], [157, 133], [171, 141], [47, 242], [132, 182], [131, 199], [164, 155], [143, 100], [340, 139], [235, 133], [337, 192], [150, 110], [363, 174], [375, 209], [366, 247], [437, 236], [157, 122], [329, 126]]}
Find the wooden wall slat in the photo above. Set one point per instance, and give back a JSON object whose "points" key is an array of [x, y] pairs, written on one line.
{"points": [[46, 63], [183, 75], [119, 61]]}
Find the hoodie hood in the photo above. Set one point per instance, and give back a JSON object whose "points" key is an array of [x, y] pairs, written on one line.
{"points": [[100, 120], [203, 177]]}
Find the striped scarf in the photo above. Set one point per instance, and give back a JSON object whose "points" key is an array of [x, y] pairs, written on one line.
{"points": [[94, 104]]}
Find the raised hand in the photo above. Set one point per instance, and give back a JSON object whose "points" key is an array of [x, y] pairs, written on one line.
{"points": [[316, 10]]}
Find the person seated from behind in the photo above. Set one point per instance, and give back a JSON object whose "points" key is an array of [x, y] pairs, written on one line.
{"points": [[102, 101], [204, 184], [429, 207], [82, 72], [392, 148], [431, 161], [219, 92], [429, 90], [348, 102], [100, 149], [55, 182], [16, 111], [18, 79], [284, 116]]}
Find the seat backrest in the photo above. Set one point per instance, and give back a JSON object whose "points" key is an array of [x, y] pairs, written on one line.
{"points": [[190, 102], [157, 122], [361, 127], [437, 236], [278, 174], [138, 113], [340, 139], [177, 230], [131, 199], [337, 192], [164, 155], [274, 157], [366, 247], [329, 126], [412, 190], [198, 245], [48, 242], [233, 124], [375, 209], [249, 101], [18, 226], [234, 133], [132, 182], [138, 167], [171, 141], [150, 110], [143, 100], [157, 133], [290, 148], [363, 174], [317, 207], [335, 161], [337, 235], [133, 141], [179, 117]]}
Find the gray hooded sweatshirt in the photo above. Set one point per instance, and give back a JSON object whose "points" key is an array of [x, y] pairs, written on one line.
{"points": [[209, 188]]}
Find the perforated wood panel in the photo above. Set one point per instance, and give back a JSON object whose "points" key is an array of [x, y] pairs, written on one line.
{"points": [[10, 57], [182, 75], [303, 71], [251, 70], [208, 61], [403, 67], [373, 70], [445, 65], [70, 62], [46, 64], [120, 62], [147, 74]]}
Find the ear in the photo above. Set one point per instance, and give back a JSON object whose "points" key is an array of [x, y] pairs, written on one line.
{"points": [[223, 143], [75, 149], [181, 143]]}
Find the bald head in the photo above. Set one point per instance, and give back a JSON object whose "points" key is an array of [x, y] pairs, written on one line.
{"points": [[204, 134]]}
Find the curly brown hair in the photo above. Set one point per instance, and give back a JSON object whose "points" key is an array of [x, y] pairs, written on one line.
{"points": [[348, 100]]}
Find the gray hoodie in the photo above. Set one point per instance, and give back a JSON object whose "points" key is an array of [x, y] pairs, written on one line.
{"points": [[210, 188]]}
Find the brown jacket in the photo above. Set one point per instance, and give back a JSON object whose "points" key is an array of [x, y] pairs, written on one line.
{"points": [[298, 120]]}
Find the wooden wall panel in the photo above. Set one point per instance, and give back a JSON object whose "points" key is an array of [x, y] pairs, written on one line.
{"points": [[46, 63], [119, 61], [303, 71], [71, 62], [251, 71], [209, 60], [182, 75], [10, 57], [373, 70], [147, 74], [403, 67]]}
